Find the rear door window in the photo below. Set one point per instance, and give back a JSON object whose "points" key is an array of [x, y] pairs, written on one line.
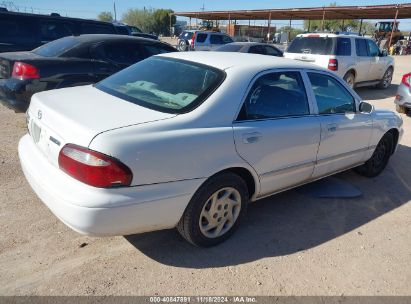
{"points": [[157, 49], [373, 48], [124, 53], [201, 38], [257, 49], [269, 50], [216, 39], [312, 45], [343, 47], [361, 48], [276, 95], [51, 30]]}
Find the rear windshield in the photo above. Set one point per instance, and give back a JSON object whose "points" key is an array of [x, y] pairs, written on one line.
{"points": [[312, 45], [230, 48], [187, 35], [56, 47], [164, 84]]}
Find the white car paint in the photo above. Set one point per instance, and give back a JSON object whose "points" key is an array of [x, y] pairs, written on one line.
{"points": [[369, 68], [171, 156]]}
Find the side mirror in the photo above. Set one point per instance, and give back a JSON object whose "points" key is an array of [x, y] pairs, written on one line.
{"points": [[384, 53], [365, 107]]}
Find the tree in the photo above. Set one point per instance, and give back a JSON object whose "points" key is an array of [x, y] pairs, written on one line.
{"points": [[162, 21], [142, 18], [105, 16]]}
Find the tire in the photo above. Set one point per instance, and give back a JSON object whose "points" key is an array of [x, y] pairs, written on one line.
{"points": [[350, 79], [386, 79], [379, 159], [401, 109], [206, 221], [182, 46]]}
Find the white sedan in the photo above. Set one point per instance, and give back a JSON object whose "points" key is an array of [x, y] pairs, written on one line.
{"points": [[187, 140]]}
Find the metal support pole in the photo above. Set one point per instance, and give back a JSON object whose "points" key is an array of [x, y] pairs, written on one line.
{"points": [[229, 25], [269, 26], [322, 22], [170, 25], [189, 25], [343, 26], [393, 27], [309, 25], [289, 32], [359, 32]]}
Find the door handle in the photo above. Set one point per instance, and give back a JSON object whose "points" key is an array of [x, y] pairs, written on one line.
{"points": [[250, 138], [332, 127]]}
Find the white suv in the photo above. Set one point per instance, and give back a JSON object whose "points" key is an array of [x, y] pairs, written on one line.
{"points": [[356, 59], [208, 40]]}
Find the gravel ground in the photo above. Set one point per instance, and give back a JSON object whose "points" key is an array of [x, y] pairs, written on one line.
{"points": [[291, 244]]}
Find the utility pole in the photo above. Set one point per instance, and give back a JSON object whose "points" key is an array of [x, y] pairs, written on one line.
{"points": [[115, 11]]}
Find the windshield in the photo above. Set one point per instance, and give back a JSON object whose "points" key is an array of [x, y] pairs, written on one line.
{"points": [[312, 45], [56, 47], [164, 84]]}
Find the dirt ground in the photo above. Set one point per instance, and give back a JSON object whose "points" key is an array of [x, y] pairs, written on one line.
{"points": [[291, 244]]}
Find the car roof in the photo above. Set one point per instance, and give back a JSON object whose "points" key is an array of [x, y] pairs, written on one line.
{"points": [[249, 43], [344, 35], [109, 37], [226, 60]]}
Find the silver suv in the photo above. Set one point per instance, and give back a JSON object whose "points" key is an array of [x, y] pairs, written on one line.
{"points": [[356, 59], [208, 41]]}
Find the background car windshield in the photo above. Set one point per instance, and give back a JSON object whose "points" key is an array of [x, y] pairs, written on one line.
{"points": [[164, 84], [57, 47], [312, 45]]}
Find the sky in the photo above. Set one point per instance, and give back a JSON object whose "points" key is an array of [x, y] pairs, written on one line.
{"points": [[91, 8]]}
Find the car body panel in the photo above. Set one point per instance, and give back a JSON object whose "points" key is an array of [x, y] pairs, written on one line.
{"points": [[171, 156], [403, 97]]}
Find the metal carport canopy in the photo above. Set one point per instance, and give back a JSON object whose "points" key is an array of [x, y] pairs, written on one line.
{"points": [[314, 13]]}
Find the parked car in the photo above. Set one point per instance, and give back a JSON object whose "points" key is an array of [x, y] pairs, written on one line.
{"points": [[185, 40], [356, 59], [25, 32], [208, 40], [403, 97], [172, 142], [68, 62], [251, 47], [125, 29]]}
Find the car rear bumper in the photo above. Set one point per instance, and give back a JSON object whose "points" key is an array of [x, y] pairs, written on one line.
{"points": [[104, 212], [403, 97], [13, 94]]}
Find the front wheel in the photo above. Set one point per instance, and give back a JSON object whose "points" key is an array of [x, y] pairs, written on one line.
{"points": [[379, 159], [215, 210], [386, 79]]}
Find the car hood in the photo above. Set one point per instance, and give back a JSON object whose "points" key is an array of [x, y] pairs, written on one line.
{"points": [[78, 114]]}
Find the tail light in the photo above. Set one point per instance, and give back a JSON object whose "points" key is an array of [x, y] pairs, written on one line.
{"points": [[192, 40], [23, 70], [406, 79], [93, 168], [333, 64]]}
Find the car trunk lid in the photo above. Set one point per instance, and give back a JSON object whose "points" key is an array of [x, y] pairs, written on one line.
{"points": [[77, 115]]}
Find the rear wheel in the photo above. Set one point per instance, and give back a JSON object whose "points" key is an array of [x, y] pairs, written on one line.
{"points": [[379, 159], [386, 79], [182, 46], [350, 79], [215, 210]]}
